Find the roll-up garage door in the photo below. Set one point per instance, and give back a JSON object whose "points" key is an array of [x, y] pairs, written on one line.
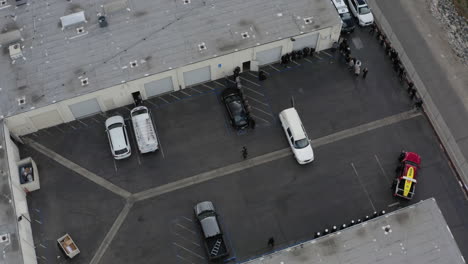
{"points": [[159, 86], [85, 108], [197, 76], [47, 119], [269, 56], [308, 41]]}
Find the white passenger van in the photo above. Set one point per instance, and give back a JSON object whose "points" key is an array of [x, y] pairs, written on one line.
{"points": [[296, 135], [144, 130]]}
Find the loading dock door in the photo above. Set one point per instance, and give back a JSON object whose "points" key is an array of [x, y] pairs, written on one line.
{"points": [[85, 108], [158, 87], [268, 56], [197, 76], [308, 41]]}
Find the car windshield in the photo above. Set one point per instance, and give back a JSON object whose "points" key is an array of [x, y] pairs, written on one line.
{"points": [[121, 151], [412, 163], [364, 10], [139, 112], [116, 125], [345, 16], [301, 143]]}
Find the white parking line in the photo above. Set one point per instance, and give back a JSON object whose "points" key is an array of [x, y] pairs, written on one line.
{"points": [[159, 97], [316, 55], [251, 74], [61, 130], [252, 90], [47, 132], [328, 54], [195, 90], [186, 228], [274, 68], [188, 219], [256, 117], [185, 93], [208, 86], [394, 204], [115, 165], [253, 99], [307, 60], [364, 188], [381, 168], [254, 83], [82, 122], [186, 239], [95, 120], [195, 254], [296, 63], [151, 103], [258, 109], [174, 96], [220, 84]]}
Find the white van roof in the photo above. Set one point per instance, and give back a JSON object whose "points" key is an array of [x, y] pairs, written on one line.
{"points": [[291, 116], [340, 6]]}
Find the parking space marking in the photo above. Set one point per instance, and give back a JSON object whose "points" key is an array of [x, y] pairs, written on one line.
{"points": [[111, 234], [188, 219], [186, 239], [264, 120], [47, 132], [326, 53], [260, 110], [186, 228], [296, 63], [61, 130], [159, 97], [182, 258], [192, 88], [188, 250], [208, 86], [78, 169], [254, 83], [252, 90], [317, 56], [151, 103], [381, 168], [185, 93], [275, 155], [363, 187], [115, 166], [253, 99], [95, 120], [307, 60], [171, 94], [251, 74], [82, 122], [394, 204], [271, 66], [219, 83]]}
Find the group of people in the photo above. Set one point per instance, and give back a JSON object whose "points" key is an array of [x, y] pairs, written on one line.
{"points": [[353, 63], [296, 55]]}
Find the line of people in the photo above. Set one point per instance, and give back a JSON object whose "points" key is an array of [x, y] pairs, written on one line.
{"points": [[353, 63]]}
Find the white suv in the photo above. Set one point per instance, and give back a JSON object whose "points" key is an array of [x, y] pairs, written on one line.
{"points": [[362, 12], [118, 137]]}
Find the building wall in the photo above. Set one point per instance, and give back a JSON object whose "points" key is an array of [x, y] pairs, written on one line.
{"points": [[120, 95], [20, 202]]}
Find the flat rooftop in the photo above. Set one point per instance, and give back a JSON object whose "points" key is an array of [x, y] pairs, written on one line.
{"points": [[417, 234], [159, 35]]}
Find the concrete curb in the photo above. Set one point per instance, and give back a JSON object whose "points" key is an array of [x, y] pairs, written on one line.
{"points": [[442, 130]]}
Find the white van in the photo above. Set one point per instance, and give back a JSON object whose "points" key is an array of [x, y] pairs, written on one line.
{"points": [[144, 130], [296, 135]]}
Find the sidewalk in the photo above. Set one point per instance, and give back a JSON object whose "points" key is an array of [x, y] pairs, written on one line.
{"points": [[439, 78]]}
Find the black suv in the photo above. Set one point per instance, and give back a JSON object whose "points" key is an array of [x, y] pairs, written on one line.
{"points": [[235, 106]]}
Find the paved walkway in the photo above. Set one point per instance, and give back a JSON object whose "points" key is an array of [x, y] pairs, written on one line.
{"points": [[439, 77]]}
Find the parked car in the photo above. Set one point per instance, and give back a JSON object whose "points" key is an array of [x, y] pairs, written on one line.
{"points": [[235, 106], [296, 135], [215, 245], [347, 20], [405, 182], [143, 127], [361, 11], [118, 137]]}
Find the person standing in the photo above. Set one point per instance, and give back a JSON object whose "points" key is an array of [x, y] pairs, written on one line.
{"points": [[364, 72], [357, 69], [244, 152], [271, 242], [351, 63]]}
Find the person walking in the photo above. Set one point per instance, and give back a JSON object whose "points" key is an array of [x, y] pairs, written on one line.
{"points": [[364, 72], [351, 63], [244, 152], [357, 69], [271, 242]]}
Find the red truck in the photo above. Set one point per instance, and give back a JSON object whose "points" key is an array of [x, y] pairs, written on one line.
{"points": [[405, 182]]}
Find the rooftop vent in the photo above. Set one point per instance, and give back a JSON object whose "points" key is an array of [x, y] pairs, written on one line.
{"points": [[186, 2], [80, 30], [387, 230], [245, 35], [133, 64], [21, 100], [3, 3], [202, 46], [308, 20], [15, 51], [4, 238], [84, 82]]}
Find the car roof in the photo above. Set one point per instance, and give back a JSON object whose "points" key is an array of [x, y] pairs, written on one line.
{"points": [[413, 157], [113, 120], [340, 6], [294, 122]]}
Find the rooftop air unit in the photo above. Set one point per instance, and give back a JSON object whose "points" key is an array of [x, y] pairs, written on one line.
{"points": [[15, 51]]}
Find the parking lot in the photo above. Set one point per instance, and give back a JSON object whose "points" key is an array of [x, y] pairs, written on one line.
{"points": [[357, 127]]}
